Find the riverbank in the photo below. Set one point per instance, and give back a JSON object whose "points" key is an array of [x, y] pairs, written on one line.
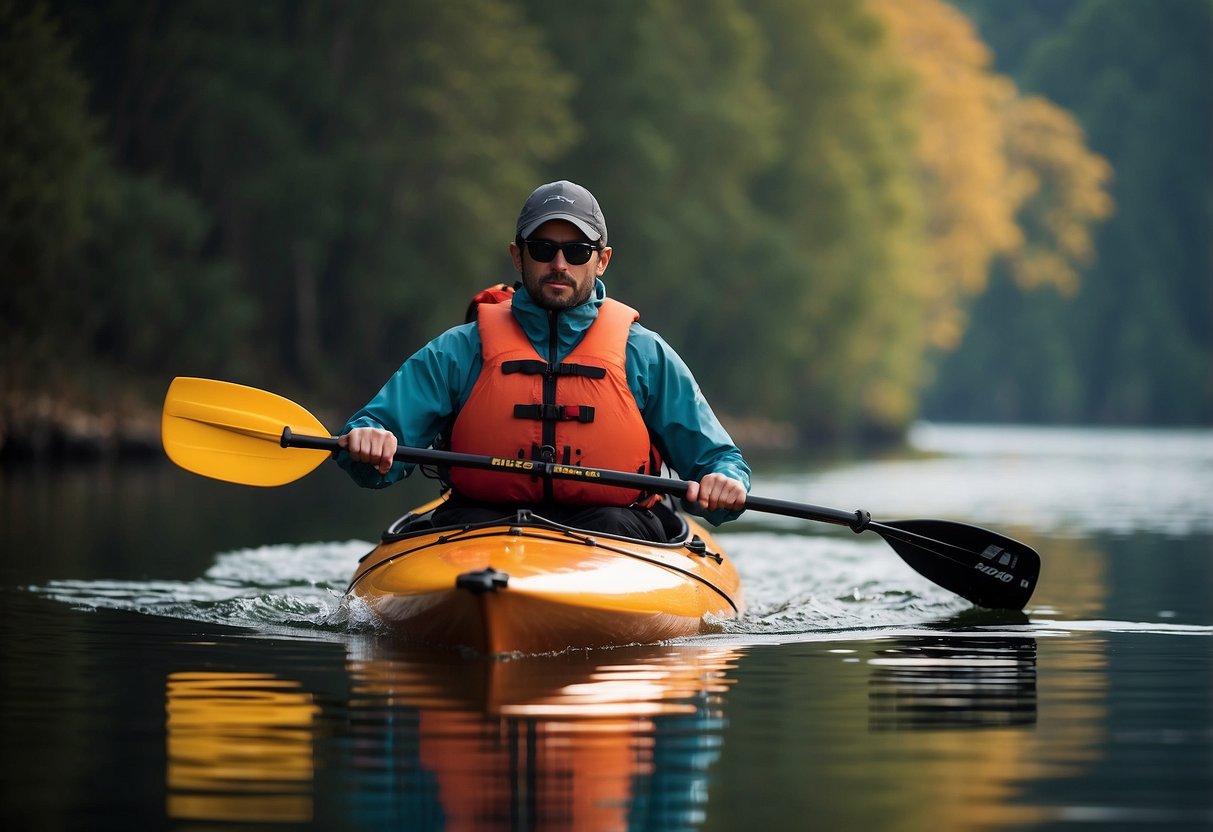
{"points": [[45, 428]]}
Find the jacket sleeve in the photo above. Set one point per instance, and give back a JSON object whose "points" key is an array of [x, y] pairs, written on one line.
{"points": [[418, 401], [690, 437]]}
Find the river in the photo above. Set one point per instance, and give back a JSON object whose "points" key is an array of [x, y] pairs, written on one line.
{"points": [[176, 654]]}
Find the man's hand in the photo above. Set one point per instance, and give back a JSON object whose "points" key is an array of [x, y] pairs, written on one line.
{"points": [[374, 446], [716, 491]]}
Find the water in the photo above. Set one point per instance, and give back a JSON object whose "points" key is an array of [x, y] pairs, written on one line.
{"points": [[176, 654]]}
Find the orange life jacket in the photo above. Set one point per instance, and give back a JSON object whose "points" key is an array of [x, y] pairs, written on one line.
{"points": [[580, 412]]}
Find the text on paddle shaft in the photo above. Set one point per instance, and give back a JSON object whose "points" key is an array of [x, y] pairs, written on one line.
{"points": [[545, 468]]}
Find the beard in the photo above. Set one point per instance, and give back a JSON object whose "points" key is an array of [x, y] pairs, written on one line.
{"points": [[562, 301]]}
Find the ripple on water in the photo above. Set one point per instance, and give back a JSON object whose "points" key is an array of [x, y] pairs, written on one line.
{"points": [[798, 583], [300, 586]]}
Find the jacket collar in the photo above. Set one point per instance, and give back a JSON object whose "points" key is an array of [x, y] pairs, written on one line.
{"points": [[571, 324]]}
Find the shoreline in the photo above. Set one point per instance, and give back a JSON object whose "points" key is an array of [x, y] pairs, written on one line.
{"points": [[46, 429], [42, 429]]}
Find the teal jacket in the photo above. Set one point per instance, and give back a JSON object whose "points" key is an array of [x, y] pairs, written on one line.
{"points": [[422, 397]]}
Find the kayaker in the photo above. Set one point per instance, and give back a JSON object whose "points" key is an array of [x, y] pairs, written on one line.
{"points": [[559, 372]]}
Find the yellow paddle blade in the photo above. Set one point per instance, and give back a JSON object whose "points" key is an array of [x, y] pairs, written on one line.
{"points": [[232, 432]]}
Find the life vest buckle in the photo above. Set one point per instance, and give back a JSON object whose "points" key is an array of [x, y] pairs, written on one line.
{"points": [[555, 412]]}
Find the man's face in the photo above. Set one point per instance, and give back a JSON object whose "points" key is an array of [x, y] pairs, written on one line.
{"points": [[558, 284]]}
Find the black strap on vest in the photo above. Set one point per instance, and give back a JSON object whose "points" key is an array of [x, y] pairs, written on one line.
{"points": [[548, 411], [539, 368], [555, 412]]}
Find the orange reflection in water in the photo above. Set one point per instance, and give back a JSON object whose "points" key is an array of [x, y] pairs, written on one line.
{"points": [[555, 742], [239, 747]]}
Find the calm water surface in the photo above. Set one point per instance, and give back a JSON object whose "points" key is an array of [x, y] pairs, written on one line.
{"points": [[176, 654]]}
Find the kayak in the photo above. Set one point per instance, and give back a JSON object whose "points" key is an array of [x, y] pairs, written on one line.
{"points": [[526, 584]]}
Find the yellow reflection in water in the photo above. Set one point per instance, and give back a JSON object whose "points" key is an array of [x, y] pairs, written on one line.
{"points": [[239, 747], [980, 740], [933, 697], [1073, 576]]}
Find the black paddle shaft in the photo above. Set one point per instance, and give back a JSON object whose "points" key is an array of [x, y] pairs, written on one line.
{"points": [[982, 566], [856, 520]]}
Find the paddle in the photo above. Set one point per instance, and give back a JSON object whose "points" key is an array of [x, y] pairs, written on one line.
{"points": [[245, 435]]}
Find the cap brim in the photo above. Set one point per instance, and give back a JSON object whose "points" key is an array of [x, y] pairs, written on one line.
{"points": [[588, 230]]}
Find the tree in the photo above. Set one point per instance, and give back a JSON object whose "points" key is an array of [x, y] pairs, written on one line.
{"points": [[1061, 195], [805, 198], [1147, 339], [1135, 342], [968, 189], [751, 161], [670, 141], [1004, 177], [51, 175], [842, 194], [354, 171]]}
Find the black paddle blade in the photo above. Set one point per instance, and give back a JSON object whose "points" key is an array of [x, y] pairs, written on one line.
{"points": [[979, 565]]}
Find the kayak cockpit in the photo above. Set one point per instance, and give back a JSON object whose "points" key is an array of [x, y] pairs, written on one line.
{"points": [[419, 521]]}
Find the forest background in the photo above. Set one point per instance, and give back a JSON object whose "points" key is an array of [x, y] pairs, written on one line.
{"points": [[844, 215]]}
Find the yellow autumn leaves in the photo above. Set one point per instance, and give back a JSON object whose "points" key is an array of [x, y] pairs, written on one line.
{"points": [[1003, 175]]}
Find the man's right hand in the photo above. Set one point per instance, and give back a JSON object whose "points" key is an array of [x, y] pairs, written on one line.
{"points": [[374, 446]]}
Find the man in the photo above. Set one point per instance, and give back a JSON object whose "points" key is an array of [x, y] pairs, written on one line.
{"points": [[560, 373]]}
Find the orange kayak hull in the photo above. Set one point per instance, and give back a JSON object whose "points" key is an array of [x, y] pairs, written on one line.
{"points": [[540, 588]]}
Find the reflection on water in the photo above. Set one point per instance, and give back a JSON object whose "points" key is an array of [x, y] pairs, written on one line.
{"points": [[170, 652], [442, 740], [953, 682], [638, 682], [582, 741], [239, 748]]}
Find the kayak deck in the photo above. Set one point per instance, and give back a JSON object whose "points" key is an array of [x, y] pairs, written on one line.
{"points": [[526, 584]]}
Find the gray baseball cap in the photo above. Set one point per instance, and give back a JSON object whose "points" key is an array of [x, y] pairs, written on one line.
{"points": [[563, 200]]}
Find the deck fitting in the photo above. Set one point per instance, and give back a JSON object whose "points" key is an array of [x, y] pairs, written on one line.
{"points": [[482, 580]]}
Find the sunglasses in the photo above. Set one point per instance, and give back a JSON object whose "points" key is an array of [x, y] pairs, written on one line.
{"points": [[575, 254]]}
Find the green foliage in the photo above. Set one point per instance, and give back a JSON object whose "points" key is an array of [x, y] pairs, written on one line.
{"points": [[48, 139], [144, 280], [104, 272], [311, 190], [755, 168], [1136, 344], [849, 338], [673, 137], [352, 157], [299, 193], [48, 182]]}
